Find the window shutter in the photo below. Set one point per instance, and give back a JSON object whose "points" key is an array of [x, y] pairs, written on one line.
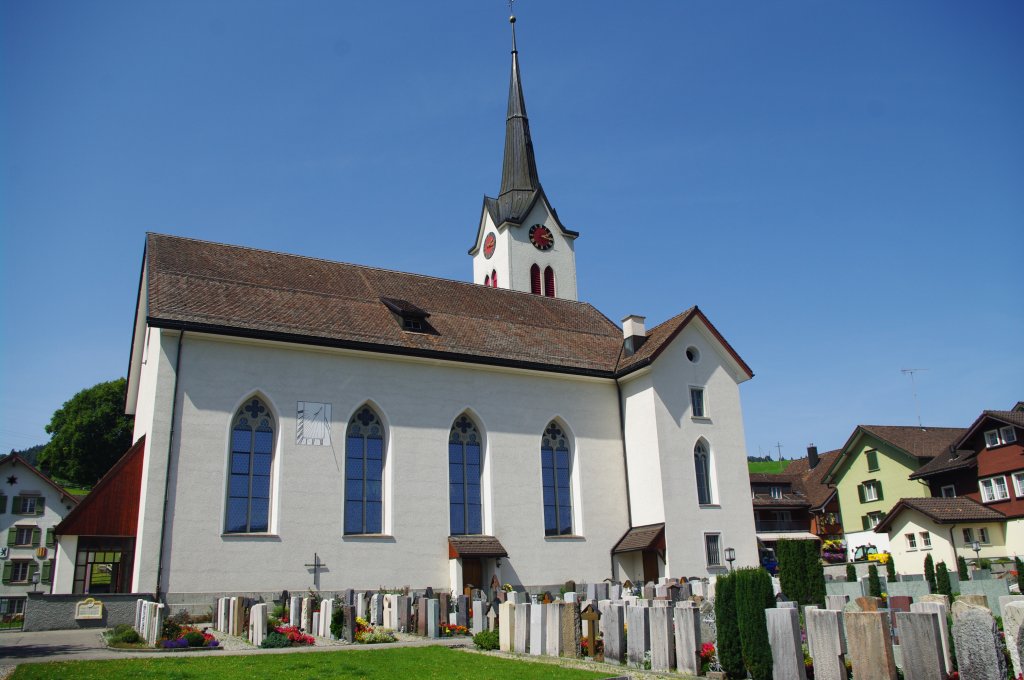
{"points": [[860, 492], [535, 280], [47, 571], [16, 506], [866, 521], [33, 567], [878, 488], [549, 282], [7, 572], [35, 537], [49, 538], [12, 535], [3, 504], [872, 460], [40, 505]]}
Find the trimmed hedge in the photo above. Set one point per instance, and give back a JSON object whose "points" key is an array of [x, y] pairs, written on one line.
{"points": [[942, 580], [961, 568], [929, 573], [851, 573], [754, 594], [874, 584], [801, 574], [730, 650]]}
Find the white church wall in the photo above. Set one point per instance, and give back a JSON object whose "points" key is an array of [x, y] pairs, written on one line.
{"points": [[420, 400], [731, 513], [499, 259], [645, 491], [561, 257]]}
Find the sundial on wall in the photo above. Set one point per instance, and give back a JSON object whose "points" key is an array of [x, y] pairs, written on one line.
{"points": [[313, 424]]}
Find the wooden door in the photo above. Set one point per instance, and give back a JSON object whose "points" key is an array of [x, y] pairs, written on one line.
{"points": [[472, 572], [650, 566]]}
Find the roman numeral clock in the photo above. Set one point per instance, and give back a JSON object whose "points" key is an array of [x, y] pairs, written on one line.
{"points": [[313, 424]]}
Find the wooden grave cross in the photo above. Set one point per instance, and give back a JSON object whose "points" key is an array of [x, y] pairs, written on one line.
{"points": [[591, 615]]}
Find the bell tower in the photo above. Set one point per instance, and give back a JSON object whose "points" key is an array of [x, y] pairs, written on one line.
{"points": [[520, 243]]}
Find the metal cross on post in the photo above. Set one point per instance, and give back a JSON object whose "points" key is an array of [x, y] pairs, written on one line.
{"points": [[317, 566]]}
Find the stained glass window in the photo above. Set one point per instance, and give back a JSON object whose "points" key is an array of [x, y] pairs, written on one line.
{"points": [[252, 456], [556, 473], [464, 470], [364, 473], [702, 463]]}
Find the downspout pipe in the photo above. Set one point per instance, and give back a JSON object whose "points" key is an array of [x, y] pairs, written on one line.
{"points": [[167, 471], [625, 466]]}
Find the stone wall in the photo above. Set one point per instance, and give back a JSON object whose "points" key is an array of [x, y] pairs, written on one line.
{"points": [[57, 612]]}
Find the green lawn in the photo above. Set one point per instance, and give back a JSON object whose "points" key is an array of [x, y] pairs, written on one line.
{"points": [[770, 467], [408, 663]]}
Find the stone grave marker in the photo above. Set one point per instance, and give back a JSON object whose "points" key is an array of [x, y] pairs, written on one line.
{"points": [[870, 645], [404, 614], [506, 626], [687, 637], [836, 602], [934, 597], [868, 603], [614, 638], [978, 599], [649, 591], [444, 606], [898, 603], [571, 626], [376, 610], [1013, 627], [478, 619], [421, 616], [462, 611], [939, 610], [294, 610], [784, 637], [522, 620], [978, 653], [326, 615], [538, 629], [572, 596], [492, 618], [349, 631], [663, 644], [826, 643], [315, 629], [553, 634], [257, 624], [602, 591], [615, 591], [921, 645], [638, 641], [433, 611]]}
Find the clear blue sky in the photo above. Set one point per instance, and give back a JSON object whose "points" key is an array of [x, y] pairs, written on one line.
{"points": [[838, 185]]}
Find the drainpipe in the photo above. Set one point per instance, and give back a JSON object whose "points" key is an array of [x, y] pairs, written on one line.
{"points": [[952, 544], [625, 467], [167, 472]]}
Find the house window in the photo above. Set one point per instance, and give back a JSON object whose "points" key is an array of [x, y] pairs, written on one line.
{"points": [[697, 409], [549, 282], [21, 571], [464, 466], [983, 535], [871, 520], [948, 491], [872, 457], [252, 455], [535, 280], [1008, 434], [702, 465], [968, 535], [556, 474], [1018, 483], [364, 473], [911, 541], [29, 505], [102, 565], [23, 536], [870, 491], [712, 549], [1003, 435], [776, 492], [926, 540], [994, 489]]}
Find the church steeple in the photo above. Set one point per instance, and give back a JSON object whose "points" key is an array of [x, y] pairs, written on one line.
{"points": [[519, 166]]}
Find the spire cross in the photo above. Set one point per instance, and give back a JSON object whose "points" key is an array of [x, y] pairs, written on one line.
{"points": [[512, 20]]}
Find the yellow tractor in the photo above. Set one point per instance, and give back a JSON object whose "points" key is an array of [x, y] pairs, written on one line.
{"points": [[869, 553]]}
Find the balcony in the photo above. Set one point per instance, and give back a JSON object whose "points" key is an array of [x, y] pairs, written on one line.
{"points": [[769, 525]]}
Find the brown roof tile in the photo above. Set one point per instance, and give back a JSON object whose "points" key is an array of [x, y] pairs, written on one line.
{"points": [[943, 511], [639, 538], [956, 456], [476, 546], [812, 480], [922, 442]]}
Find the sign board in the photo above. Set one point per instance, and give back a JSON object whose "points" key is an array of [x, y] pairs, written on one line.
{"points": [[88, 609]]}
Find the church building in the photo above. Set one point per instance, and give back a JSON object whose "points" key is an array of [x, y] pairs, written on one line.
{"points": [[301, 422]]}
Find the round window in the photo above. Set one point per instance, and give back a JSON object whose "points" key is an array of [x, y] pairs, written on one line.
{"points": [[693, 354]]}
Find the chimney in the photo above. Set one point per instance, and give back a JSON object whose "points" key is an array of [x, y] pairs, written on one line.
{"points": [[812, 457], [634, 334]]}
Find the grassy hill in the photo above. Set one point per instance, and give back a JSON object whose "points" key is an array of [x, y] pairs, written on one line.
{"points": [[773, 466]]}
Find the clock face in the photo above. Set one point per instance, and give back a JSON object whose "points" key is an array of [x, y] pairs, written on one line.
{"points": [[489, 244], [541, 238], [313, 424]]}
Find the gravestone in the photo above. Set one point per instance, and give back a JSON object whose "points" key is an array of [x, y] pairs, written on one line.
{"points": [[649, 591], [663, 644], [522, 643], [222, 616], [993, 589], [348, 597], [257, 624], [601, 591], [898, 603], [433, 610], [444, 606], [933, 597], [826, 643], [553, 634], [571, 596], [870, 645], [390, 611], [421, 616], [571, 630], [921, 645], [315, 628], [939, 610], [638, 641], [614, 638], [360, 606], [1013, 627], [377, 610], [592, 617], [506, 626], [307, 615], [569, 586], [974, 598], [478, 619], [687, 637], [538, 629], [462, 611], [975, 636], [615, 591], [784, 637], [492, 618], [349, 631], [960, 606], [326, 614], [868, 603], [835, 602], [404, 614]]}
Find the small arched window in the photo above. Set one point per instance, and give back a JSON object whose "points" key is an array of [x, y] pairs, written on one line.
{"points": [[702, 466], [364, 473], [464, 466], [494, 278], [549, 282], [556, 474], [535, 280], [252, 457]]}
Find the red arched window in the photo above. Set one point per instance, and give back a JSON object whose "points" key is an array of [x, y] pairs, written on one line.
{"points": [[494, 278], [549, 282], [535, 280], [487, 280]]}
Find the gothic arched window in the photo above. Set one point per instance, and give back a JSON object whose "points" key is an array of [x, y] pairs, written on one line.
{"points": [[464, 469], [549, 282], [556, 473], [252, 457], [364, 473], [702, 465], [535, 280], [494, 278], [487, 280]]}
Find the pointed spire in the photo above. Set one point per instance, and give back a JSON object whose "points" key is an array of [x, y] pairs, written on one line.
{"points": [[519, 167]]}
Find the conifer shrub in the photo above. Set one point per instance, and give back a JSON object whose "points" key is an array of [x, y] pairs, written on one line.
{"points": [[730, 650], [801, 574], [1019, 564], [929, 573], [754, 594], [814, 576], [942, 584], [890, 569], [961, 568], [851, 573], [338, 623], [874, 584]]}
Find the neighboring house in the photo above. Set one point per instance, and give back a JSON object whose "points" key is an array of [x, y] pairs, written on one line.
{"points": [[823, 501], [31, 505], [916, 527], [872, 471], [416, 431]]}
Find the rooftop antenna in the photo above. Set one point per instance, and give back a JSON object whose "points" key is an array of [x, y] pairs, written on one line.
{"points": [[913, 386], [778, 445]]}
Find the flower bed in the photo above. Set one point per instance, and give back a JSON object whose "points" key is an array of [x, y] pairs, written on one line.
{"points": [[189, 636], [451, 630], [368, 635]]}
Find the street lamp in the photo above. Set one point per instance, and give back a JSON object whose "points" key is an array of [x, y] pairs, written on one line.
{"points": [[35, 582], [730, 556], [976, 547]]}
